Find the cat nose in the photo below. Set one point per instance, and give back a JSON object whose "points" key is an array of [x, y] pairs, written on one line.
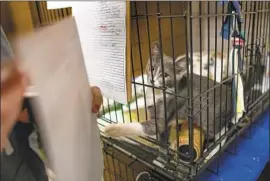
{"points": [[211, 62], [205, 67], [150, 80]]}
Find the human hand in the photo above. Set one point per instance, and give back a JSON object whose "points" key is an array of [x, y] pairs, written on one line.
{"points": [[97, 99], [23, 116], [13, 85]]}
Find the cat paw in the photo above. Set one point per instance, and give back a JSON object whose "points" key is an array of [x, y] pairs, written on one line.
{"points": [[114, 130], [118, 130]]}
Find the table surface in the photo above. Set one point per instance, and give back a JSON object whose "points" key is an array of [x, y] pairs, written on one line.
{"points": [[250, 158]]}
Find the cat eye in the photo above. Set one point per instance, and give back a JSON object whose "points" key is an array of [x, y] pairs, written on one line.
{"points": [[211, 62], [166, 75]]}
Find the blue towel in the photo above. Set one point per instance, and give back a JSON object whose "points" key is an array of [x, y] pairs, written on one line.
{"points": [[225, 31]]}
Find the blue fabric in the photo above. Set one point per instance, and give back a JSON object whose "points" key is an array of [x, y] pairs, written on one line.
{"points": [[225, 31], [237, 7], [250, 159], [223, 2]]}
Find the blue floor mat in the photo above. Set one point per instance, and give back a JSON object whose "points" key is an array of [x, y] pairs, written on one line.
{"points": [[250, 159]]}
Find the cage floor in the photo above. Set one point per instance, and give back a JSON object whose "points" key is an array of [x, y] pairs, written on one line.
{"points": [[250, 159]]}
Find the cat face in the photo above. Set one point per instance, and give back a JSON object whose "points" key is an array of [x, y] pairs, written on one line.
{"points": [[154, 68]]}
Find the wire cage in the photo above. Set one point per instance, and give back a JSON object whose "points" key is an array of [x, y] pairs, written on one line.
{"points": [[193, 64], [197, 67], [121, 166]]}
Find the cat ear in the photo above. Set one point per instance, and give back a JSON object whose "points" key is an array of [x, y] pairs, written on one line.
{"points": [[180, 64], [155, 49], [180, 68]]}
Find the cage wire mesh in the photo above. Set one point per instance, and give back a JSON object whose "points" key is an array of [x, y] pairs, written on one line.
{"points": [[199, 59], [119, 166], [193, 59]]}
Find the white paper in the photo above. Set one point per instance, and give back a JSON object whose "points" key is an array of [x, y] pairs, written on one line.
{"points": [[57, 4], [102, 30], [53, 58]]}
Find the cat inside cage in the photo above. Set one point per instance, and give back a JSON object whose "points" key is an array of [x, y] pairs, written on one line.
{"points": [[192, 63]]}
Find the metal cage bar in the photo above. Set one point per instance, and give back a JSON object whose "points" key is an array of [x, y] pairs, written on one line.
{"points": [[189, 29], [209, 16]]}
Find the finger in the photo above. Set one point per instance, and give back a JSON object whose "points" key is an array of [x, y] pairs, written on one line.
{"points": [[7, 69], [4, 137], [25, 79], [23, 116], [12, 90], [13, 79], [11, 102], [12, 68], [97, 99], [10, 108]]}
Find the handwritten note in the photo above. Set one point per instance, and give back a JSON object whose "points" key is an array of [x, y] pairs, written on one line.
{"points": [[63, 106], [102, 30]]}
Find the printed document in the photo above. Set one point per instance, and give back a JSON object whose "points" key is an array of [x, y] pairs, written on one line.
{"points": [[102, 30]]}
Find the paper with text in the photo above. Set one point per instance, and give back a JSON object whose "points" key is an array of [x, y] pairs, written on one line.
{"points": [[102, 30], [55, 64]]}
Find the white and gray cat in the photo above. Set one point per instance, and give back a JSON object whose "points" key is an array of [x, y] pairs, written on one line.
{"points": [[211, 122]]}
